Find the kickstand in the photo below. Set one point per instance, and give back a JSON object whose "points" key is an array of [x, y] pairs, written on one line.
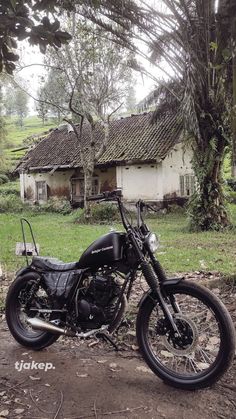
{"points": [[107, 338]]}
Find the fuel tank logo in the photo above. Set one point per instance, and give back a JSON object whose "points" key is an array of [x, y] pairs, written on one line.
{"points": [[103, 249]]}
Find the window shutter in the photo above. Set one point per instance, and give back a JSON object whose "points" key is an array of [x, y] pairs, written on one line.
{"points": [[181, 180], [187, 185]]}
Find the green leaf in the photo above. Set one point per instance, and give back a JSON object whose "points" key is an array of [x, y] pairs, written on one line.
{"points": [[226, 53], [13, 4], [213, 46]]}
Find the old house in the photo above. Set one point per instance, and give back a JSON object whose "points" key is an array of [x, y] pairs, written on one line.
{"points": [[146, 160]]}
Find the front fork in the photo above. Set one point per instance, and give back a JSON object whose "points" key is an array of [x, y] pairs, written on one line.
{"points": [[151, 279], [153, 271]]}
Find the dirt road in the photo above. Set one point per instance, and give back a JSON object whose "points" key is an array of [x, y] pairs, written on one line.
{"points": [[96, 382]]}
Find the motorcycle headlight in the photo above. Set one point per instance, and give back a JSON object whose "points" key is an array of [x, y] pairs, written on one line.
{"points": [[152, 242]]}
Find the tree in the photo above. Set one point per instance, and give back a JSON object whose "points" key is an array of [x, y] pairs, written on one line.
{"points": [[2, 133], [9, 101], [32, 20], [233, 51], [41, 106], [21, 109], [55, 90], [96, 78], [191, 37], [131, 97]]}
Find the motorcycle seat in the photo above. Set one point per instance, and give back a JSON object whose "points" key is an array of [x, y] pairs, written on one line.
{"points": [[52, 264]]}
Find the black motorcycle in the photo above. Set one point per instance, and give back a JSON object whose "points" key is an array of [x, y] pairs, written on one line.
{"points": [[184, 332]]}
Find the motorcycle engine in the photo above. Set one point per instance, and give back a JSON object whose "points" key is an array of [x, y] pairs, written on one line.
{"points": [[97, 305]]}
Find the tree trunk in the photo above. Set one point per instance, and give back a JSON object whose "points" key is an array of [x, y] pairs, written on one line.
{"points": [[88, 180], [234, 117], [207, 207]]}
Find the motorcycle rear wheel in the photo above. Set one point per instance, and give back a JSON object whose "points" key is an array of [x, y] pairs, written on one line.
{"points": [[15, 317], [205, 348]]}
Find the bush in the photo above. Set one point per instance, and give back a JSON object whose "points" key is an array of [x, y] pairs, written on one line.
{"points": [[10, 188], [56, 205], [231, 197], [11, 203], [3, 178], [100, 214], [232, 184]]}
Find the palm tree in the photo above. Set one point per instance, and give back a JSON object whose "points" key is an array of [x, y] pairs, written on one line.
{"points": [[192, 38]]}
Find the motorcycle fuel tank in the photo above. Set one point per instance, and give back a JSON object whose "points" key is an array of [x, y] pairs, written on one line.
{"points": [[104, 251]]}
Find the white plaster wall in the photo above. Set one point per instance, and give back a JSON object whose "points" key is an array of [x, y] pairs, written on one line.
{"points": [[175, 164], [56, 180], [140, 181]]}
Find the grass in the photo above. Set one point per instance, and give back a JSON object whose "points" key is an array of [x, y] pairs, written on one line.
{"points": [[15, 135], [180, 250], [32, 125]]}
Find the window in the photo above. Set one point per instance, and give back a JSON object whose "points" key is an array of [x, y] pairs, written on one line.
{"points": [[77, 185], [187, 185], [41, 191]]}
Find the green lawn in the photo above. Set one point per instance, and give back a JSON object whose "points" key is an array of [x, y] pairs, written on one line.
{"points": [[180, 250]]}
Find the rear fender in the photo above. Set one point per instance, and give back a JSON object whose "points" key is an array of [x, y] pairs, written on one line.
{"points": [[164, 286], [27, 270]]}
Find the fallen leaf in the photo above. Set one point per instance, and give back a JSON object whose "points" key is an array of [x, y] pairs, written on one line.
{"points": [[102, 361], [202, 365], [134, 347], [214, 340], [34, 378], [131, 333], [142, 368], [19, 411], [4, 413], [167, 354], [113, 365], [81, 375]]}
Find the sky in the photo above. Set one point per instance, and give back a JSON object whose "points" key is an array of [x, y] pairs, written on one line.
{"points": [[31, 74]]}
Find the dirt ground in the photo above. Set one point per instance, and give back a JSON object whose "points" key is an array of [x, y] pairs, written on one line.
{"points": [[97, 382]]}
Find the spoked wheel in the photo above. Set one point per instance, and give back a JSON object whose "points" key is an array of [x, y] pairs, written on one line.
{"points": [[204, 347], [18, 310]]}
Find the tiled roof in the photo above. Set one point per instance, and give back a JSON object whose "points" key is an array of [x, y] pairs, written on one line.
{"points": [[134, 138]]}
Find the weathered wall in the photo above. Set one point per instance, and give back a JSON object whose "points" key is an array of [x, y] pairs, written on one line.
{"points": [[155, 181], [177, 163], [58, 184]]}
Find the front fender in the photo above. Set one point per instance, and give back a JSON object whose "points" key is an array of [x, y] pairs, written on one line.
{"points": [[164, 286]]}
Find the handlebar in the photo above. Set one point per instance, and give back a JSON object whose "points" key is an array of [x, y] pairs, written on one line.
{"points": [[106, 196], [141, 205], [116, 195]]}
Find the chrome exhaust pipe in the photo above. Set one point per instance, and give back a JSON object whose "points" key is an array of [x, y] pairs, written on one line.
{"points": [[39, 324]]}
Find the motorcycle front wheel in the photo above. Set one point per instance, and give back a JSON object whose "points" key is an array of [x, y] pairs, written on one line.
{"points": [[203, 349]]}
